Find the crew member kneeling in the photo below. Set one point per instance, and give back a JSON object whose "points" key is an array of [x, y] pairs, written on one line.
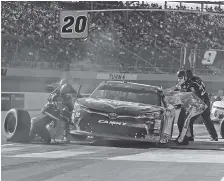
{"points": [[62, 96]]}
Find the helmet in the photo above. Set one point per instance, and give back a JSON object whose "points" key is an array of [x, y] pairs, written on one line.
{"points": [[181, 73], [189, 74], [63, 81], [65, 89], [181, 76]]}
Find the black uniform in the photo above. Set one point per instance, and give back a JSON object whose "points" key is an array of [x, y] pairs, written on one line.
{"points": [[197, 86], [65, 103]]}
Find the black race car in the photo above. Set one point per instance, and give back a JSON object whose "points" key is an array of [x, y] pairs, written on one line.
{"points": [[128, 111]]}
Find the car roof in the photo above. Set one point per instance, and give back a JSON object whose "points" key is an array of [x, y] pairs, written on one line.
{"points": [[131, 85]]}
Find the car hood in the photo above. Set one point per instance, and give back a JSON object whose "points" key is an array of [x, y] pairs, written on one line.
{"points": [[219, 104], [119, 107]]}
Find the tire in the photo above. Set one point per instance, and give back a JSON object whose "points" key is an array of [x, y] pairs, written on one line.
{"points": [[17, 126], [222, 128]]}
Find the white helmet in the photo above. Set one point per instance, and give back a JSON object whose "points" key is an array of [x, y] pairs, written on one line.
{"points": [[63, 82]]}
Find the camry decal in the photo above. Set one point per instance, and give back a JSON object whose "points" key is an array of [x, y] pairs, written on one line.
{"points": [[112, 122]]}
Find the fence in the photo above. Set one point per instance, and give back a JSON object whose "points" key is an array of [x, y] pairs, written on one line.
{"points": [[103, 55], [97, 68]]}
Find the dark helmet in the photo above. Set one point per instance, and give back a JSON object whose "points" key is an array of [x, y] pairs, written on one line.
{"points": [[189, 74], [181, 73]]}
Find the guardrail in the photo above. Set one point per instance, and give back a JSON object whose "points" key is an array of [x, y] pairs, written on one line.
{"points": [[25, 100]]}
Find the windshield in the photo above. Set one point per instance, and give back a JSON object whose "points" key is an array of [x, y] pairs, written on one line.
{"points": [[149, 97]]}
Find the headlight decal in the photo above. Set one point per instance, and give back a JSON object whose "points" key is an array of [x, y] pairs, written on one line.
{"points": [[153, 115]]}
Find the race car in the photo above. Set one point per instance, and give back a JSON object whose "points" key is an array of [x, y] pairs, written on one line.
{"points": [[131, 111], [117, 110], [217, 111]]}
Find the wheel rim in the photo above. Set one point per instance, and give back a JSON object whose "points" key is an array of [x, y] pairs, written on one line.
{"points": [[10, 124]]}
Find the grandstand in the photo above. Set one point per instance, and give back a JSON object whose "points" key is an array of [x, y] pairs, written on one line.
{"points": [[127, 41]]}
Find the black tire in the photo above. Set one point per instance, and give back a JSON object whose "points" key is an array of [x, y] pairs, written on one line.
{"points": [[17, 126], [222, 128]]}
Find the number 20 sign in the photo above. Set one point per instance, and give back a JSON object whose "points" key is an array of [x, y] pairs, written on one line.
{"points": [[74, 24]]}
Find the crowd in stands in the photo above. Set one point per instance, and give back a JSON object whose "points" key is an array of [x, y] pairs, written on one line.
{"points": [[132, 40]]}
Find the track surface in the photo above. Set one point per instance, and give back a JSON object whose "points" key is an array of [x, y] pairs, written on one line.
{"points": [[114, 161]]}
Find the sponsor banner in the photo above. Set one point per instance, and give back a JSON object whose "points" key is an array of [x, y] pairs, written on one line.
{"points": [[5, 102], [17, 101], [209, 57], [43, 73], [12, 100], [116, 76]]}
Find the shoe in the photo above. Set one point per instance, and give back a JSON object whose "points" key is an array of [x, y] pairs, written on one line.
{"points": [[214, 139], [184, 142], [65, 140], [191, 138]]}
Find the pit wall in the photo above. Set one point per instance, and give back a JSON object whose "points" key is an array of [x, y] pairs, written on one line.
{"points": [[36, 80], [23, 100]]}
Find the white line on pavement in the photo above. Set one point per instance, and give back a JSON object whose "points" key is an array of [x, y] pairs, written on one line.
{"points": [[8, 144], [186, 156], [54, 154]]}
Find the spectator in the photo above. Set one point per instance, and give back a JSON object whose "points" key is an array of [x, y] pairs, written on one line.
{"points": [[148, 37]]}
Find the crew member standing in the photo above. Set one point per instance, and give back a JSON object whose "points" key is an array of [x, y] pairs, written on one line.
{"points": [[191, 83], [196, 85]]}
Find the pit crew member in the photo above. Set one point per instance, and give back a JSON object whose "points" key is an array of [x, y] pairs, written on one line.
{"points": [[191, 83], [61, 95]]}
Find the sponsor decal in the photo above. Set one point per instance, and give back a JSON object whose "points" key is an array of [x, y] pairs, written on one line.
{"points": [[116, 76], [17, 101], [10, 100], [5, 102], [3, 71], [112, 122], [112, 115]]}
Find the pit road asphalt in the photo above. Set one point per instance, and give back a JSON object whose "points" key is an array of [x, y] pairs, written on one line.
{"points": [[114, 161]]}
